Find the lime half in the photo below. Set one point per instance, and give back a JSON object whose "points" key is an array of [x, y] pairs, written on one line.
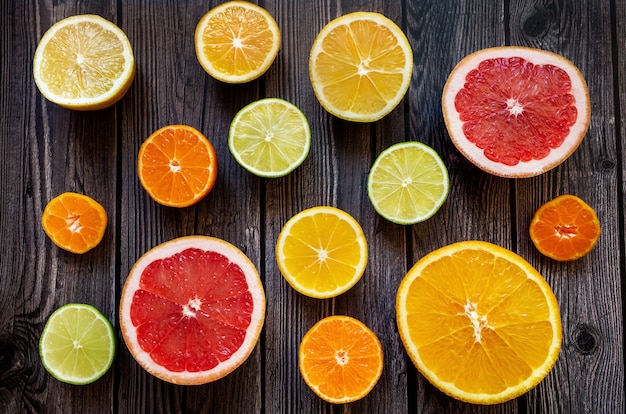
{"points": [[408, 183], [77, 345], [270, 137]]}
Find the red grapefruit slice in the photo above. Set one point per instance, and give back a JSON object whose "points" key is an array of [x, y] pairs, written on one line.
{"points": [[515, 111], [192, 310]]}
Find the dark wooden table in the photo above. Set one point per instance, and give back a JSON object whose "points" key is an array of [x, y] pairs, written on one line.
{"points": [[47, 150]]}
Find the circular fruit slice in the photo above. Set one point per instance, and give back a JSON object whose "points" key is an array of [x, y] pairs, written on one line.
{"points": [[340, 359], [270, 137], [74, 222], [514, 111], [84, 62], [408, 183], [192, 310], [360, 66], [321, 252], [77, 344], [565, 228], [177, 166], [237, 41], [479, 322]]}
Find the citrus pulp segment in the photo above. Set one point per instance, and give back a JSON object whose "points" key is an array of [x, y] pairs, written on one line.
{"points": [[479, 322], [237, 41], [192, 310], [516, 111], [84, 62], [408, 183], [270, 137], [177, 166], [565, 228], [77, 344], [360, 66], [74, 222], [321, 252], [340, 359]]}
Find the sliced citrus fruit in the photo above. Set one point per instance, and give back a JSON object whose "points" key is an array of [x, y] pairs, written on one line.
{"points": [[177, 166], [340, 359], [84, 62], [565, 228], [479, 322], [74, 222], [237, 41], [515, 111], [192, 310], [321, 252], [360, 66], [270, 137], [77, 344], [408, 183]]}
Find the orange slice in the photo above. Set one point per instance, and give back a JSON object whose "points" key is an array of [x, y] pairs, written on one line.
{"points": [[237, 41], [341, 359], [84, 62], [74, 222], [360, 66], [177, 166], [322, 252], [192, 310], [565, 228], [479, 322], [516, 111]]}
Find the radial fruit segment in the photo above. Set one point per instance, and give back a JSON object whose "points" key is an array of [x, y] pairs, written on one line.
{"points": [[192, 309], [479, 322], [515, 111]]}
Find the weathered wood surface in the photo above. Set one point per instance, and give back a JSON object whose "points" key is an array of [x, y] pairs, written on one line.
{"points": [[47, 150]]}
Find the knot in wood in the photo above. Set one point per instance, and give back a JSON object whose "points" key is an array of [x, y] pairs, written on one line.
{"points": [[539, 21], [585, 339]]}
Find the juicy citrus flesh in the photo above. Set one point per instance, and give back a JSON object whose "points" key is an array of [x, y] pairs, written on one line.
{"points": [[479, 322], [74, 222], [237, 41], [515, 111], [177, 166], [192, 309], [322, 252], [408, 183], [270, 137], [340, 359], [360, 66], [84, 62], [77, 344], [565, 228]]}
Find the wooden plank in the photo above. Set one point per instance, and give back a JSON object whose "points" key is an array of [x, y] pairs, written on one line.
{"points": [[172, 88], [589, 375]]}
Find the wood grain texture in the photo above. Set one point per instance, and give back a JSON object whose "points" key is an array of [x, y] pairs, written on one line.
{"points": [[47, 150]]}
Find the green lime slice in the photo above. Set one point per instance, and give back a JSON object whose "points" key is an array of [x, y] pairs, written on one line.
{"points": [[408, 183], [270, 137], [77, 345]]}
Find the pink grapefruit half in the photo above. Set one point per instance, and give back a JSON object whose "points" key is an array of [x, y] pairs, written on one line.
{"points": [[192, 309], [516, 111]]}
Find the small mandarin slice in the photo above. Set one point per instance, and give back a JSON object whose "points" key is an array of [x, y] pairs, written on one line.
{"points": [[565, 228], [74, 222]]}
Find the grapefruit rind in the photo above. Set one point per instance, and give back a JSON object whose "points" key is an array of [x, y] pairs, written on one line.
{"points": [[456, 81], [168, 249], [447, 387]]}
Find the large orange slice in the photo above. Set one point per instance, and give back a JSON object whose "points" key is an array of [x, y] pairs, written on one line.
{"points": [[74, 222], [479, 322], [516, 111], [360, 66], [177, 166], [341, 359], [237, 41], [565, 228], [192, 309]]}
